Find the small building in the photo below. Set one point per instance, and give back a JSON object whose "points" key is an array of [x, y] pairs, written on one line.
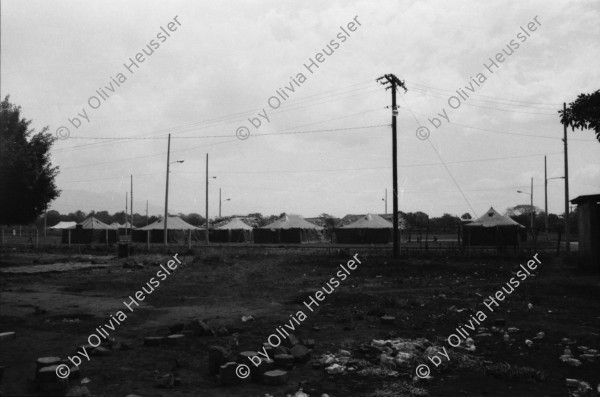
{"points": [[178, 231], [90, 231], [588, 222], [494, 229], [233, 231], [290, 229], [369, 229]]}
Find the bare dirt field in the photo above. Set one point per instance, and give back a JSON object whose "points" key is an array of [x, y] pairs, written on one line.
{"points": [[55, 309]]}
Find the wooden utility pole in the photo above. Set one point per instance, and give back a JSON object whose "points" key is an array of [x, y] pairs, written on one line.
{"points": [[391, 81], [546, 199], [531, 206], [567, 237], [167, 191], [126, 210], [131, 201], [206, 221]]}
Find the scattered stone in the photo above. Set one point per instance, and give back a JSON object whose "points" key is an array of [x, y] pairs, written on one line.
{"points": [[46, 362], [388, 320], [217, 356], [247, 318], [513, 330], [345, 353], [173, 339], [265, 366], [244, 357], [301, 353], [284, 360], [275, 377], [7, 336], [539, 335], [310, 343], [335, 369], [528, 342], [154, 340], [573, 362]]}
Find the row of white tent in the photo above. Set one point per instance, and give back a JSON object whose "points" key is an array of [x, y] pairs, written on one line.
{"points": [[90, 223], [176, 223]]}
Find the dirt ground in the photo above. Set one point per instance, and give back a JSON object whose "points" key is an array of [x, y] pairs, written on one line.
{"points": [[53, 312]]}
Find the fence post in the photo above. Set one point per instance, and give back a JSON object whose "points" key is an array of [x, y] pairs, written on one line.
{"points": [[69, 238]]}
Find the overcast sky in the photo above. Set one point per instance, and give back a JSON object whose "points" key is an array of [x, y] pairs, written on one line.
{"points": [[327, 147]]}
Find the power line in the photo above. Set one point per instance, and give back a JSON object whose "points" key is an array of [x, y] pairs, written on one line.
{"points": [[234, 116], [490, 97], [445, 166], [468, 103], [233, 140]]}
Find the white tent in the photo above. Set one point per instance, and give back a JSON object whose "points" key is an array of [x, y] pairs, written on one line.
{"points": [[63, 225]]}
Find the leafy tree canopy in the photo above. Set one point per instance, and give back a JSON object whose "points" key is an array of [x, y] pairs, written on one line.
{"points": [[26, 173], [584, 113]]}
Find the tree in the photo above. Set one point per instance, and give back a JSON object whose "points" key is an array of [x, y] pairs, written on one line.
{"points": [[584, 113], [466, 216], [445, 222], [26, 173], [52, 218], [330, 220], [522, 213], [193, 219]]}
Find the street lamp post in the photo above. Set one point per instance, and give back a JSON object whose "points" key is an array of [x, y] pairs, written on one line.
{"points": [[221, 201], [207, 178], [531, 203]]}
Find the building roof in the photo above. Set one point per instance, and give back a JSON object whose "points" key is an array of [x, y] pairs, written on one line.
{"points": [[64, 225], [173, 223], [370, 221], [93, 223], [292, 222], [492, 219], [351, 218], [235, 224], [589, 197]]}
